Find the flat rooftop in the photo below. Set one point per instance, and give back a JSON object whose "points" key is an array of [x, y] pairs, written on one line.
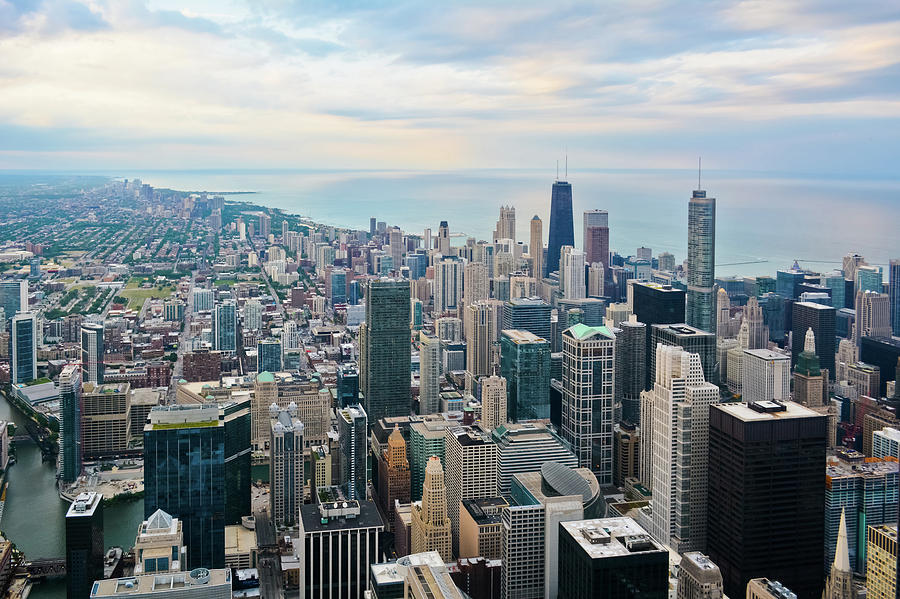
{"points": [[519, 336], [84, 505], [174, 583], [312, 521], [611, 537], [767, 354], [393, 572], [744, 412]]}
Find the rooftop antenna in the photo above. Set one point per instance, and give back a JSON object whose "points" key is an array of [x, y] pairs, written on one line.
{"points": [[567, 164], [699, 164], [557, 170]]}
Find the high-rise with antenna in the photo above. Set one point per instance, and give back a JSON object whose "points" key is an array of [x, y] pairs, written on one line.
{"points": [[701, 297], [562, 224]]}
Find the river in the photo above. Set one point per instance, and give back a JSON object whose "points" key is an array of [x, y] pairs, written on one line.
{"points": [[34, 515]]}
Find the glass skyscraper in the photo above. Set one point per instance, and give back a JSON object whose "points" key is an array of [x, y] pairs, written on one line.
{"points": [[23, 343], [13, 296], [238, 457], [527, 314], [384, 362], [525, 364], [894, 292], [70, 400], [225, 326], [184, 475], [268, 355], [562, 225], [352, 427], [92, 352], [701, 295]]}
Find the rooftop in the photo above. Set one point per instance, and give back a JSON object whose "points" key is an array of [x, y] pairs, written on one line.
{"points": [[814, 306], [84, 505], [394, 572], [160, 583], [520, 336], [767, 354], [485, 510], [611, 537], [581, 331], [313, 522], [744, 412]]}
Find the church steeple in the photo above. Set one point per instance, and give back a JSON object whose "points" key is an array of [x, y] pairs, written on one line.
{"points": [[840, 581]]}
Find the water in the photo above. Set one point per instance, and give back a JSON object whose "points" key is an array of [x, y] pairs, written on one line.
{"points": [[759, 217], [34, 515]]}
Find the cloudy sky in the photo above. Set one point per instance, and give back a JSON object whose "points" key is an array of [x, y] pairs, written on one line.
{"points": [[803, 86]]}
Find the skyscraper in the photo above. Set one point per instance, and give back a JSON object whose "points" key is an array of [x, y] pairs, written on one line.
{"points": [[236, 416], [527, 314], [431, 528], [482, 325], [821, 319], [675, 433], [699, 578], [894, 293], [70, 400], [767, 457], [286, 468], [23, 346], [471, 467], [443, 240], [526, 447], [13, 296], [184, 475], [393, 475], [506, 225], [631, 367], [536, 248], [384, 361], [596, 237], [225, 327], [652, 304], [572, 274], [587, 401], [84, 544], [809, 382], [352, 431], [476, 286], [873, 315], [562, 226], [765, 376], [268, 355], [691, 339], [701, 299], [493, 402], [429, 374], [758, 331], [525, 364], [92, 351]]}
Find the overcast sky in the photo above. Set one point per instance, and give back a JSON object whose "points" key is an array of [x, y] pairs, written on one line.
{"points": [[795, 86]]}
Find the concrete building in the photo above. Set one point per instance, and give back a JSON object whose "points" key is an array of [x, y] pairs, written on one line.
{"points": [[626, 452], [430, 373], [675, 428], [493, 402], [587, 402], [699, 577], [765, 376], [393, 476], [448, 284], [431, 528], [763, 588], [199, 583], [525, 447], [93, 350], [482, 330], [352, 434], [479, 527], [881, 561], [886, 443], [691, 339], [873, 315], [105, 419], [610, 557], [865, 377], [536, 248], [471, 471], [159, 545]]}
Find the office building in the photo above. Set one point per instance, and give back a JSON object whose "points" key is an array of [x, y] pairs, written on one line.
{"points": [[894, 294], [225, 327], [431, 527], [426, 438], [471, 471], [476, 284], [868, 278], [448, 284], [763, 588], [352, 433], [393, 475], [562, 226], [652, 303], [536, 248], [886, 443], [859, 492], [268, 355], [479, 528], [506, 224], [525, 364], [184, 475], [204, 299], [430, 374], [675, 428], [286, 476], [13, 296], [200, 583], [881, 561], [819, 318], [692, 340], [612, 558], [23, 342], [159, 545], [92, 352], [701, 298], [765, 376], [626, 452], [587, 402], [482, 326], [810, 385], [596, 237], [70, 431], [699, 577], [571, 273], [767, 457], [866, 378], [443, 239], [105, 420], [527, 314], [631, 368], [493, 402], [384, 361], [84, 544], [525, 447], [873, 315], [253, 315]]}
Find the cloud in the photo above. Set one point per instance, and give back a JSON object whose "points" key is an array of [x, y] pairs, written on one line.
{"points": [[458, 84]]}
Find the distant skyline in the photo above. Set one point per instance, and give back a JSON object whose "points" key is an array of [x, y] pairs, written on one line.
{"points": [[795, 86]]}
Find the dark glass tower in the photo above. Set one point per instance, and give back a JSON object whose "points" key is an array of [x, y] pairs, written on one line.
{"points": [[385, 350], [656, 304], [562, 224], [184, 475], [527, 314], [631, 368], [690, 338], [70, 400], [84, 544], [237, 461], [525, 364], [701, 296], [352, 432], [765, 473], [821, 319]]}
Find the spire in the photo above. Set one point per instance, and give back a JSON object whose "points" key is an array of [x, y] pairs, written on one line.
{"points": [[842, 551], [809, 344], [744, 335]]}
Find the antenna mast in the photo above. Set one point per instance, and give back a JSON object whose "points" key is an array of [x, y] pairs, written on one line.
{"points": [[699, 164], [557, 170]]}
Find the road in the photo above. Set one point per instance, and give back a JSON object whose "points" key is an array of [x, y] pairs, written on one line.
{"points": [[178, 368], [269, 564]]}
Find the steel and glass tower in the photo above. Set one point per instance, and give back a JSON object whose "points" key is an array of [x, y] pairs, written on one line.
{"points": [[701, 295], [92, 352], [70, 400], [562, 226]]}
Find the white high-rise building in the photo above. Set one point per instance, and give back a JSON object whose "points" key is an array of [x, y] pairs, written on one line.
{"points": [[493, 402], [286, 466], [596, 282], [506, 225], [204, 299], [482, 328], [476, 285], [471, 471], [589, 365], [448, 285], [290, 335], [873, 315], [253, 315], [678, 442], [572, 273], [765, 376], [429, 374]]}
